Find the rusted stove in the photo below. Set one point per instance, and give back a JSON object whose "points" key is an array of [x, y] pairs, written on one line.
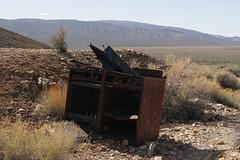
{"points": [[121, 105]]}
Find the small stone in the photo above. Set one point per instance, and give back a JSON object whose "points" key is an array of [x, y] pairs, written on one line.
{"points": [[125, 142], [227, 109], [238, 147], [99, 137], [147, 143], [102, 148], [143, 147], [152, 148], [30, 73], [205, 117], [235, 154], [221, 124], [221, 143], [165, 136], [21, 110], [172, 153], [11, 102], [156, 142], [222, 154], [158, 158], [177, 129], [211, 146], [132, 150]]}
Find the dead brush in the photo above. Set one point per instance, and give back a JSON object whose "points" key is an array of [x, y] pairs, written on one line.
{"points": [[179, 91], [187, 81], [228, 80], [234, 69], [52, 102], [21, 140]]}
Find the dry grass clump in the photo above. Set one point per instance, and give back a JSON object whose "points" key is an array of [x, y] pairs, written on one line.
{"points": [[187, 81], [234, 69], [227, 80], [177, 95], [20, 140], [52, 102], [212, 90]]}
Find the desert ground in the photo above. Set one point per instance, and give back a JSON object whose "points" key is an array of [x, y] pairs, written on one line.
{"points": [[202, 126], [210, 55]]}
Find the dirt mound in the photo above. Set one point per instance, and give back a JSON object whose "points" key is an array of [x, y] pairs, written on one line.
{"points": [[10, 39], [24, 73]]}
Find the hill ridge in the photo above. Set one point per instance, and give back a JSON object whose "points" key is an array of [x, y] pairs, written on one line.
{"points": [[9, 39]]}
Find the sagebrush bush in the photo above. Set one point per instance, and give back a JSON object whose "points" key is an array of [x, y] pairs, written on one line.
{"points": [[234, 69], [176, 97], [211, 90], [227, 80], [186, 81], [58, 41], [21, 140], [52, 102]]}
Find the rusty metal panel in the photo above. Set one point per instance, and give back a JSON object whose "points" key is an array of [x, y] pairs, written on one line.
{"points": [[148, 72], [112, 61], [150, 109]]}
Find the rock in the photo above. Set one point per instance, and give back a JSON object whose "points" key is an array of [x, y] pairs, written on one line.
{"points": [[205, 117], [222, 155], [10, 109], [21, 110], [227, 110], [143, 147], [221, 124], [34, 89], [148, 143], [158, 158], [238, 147], [125, 142], [30, 73], [102, 148], [99, 137], [156, 142], [152, 149], [132, 150], [221, 143], [172, 153], [68, 127], [141, 153], [43, 82], [177, 129], [235, 154]]}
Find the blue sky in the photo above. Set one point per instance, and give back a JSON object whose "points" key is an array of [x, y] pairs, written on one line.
{"points": [[220, 17]]}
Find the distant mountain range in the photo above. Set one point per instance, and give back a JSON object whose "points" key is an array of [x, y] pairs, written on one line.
{"points": [[114, 33]]}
